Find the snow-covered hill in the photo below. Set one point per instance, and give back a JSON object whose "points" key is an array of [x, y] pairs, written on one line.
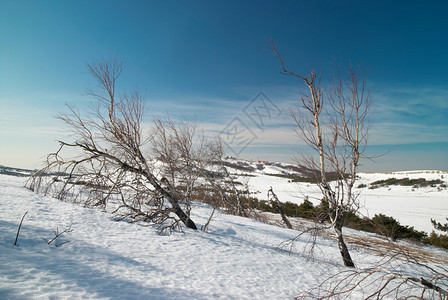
{"points": [[413, 206], [237, 258]]}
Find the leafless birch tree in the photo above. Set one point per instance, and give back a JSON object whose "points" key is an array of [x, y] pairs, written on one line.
{"points": [[335, 125]]}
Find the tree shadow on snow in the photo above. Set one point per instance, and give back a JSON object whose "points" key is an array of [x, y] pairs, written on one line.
{"points": [[74, 267]]}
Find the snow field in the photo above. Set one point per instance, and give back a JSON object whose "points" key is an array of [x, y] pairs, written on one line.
{"points": [[410, 206], [237, 258], [105, 259]]}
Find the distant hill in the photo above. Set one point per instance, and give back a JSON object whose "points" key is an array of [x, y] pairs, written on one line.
{"points": [[16, 171]]}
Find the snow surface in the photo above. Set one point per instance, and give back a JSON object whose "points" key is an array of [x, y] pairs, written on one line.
{"points": [[105, 259], [237, 258], [410, 206]]}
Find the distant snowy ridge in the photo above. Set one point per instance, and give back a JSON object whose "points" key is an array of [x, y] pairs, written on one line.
{"points": [[409, 172]]}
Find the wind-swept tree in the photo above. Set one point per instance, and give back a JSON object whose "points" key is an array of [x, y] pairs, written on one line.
{"points": [[335, 125], [145, 175]]}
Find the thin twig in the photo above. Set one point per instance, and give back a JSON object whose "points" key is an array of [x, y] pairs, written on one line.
{"points": [[18, 230], [58, 234]]}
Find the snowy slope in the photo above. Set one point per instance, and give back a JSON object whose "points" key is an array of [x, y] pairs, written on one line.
{"points": [[236, 258], [410, 206], [105, 259]]}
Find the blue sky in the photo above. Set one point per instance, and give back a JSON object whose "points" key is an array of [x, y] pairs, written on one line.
{"points": [[207, 60]]}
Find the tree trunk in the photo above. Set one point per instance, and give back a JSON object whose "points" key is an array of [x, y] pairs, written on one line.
{"points": [[184, 217], [348, 262], [172, 200], [241, 211], [279, 207], [284, 218]]}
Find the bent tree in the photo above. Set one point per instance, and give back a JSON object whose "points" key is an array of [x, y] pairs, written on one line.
{"points": [[142, 175], [335, 125]]}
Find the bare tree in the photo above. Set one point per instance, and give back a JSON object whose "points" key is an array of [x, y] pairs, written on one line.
{"points": [[112, 157], [231, 195], [186, 156], [335, 126], [276, 203]]}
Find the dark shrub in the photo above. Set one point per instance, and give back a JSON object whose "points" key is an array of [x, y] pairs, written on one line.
{"points": [[438, 240], [419, 182], [391, 228], [352, 220], [306, 210]]}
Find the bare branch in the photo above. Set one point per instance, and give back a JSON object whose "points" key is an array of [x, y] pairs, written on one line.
{"points": [[58, 234], [18, 230], [279, 205]]}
